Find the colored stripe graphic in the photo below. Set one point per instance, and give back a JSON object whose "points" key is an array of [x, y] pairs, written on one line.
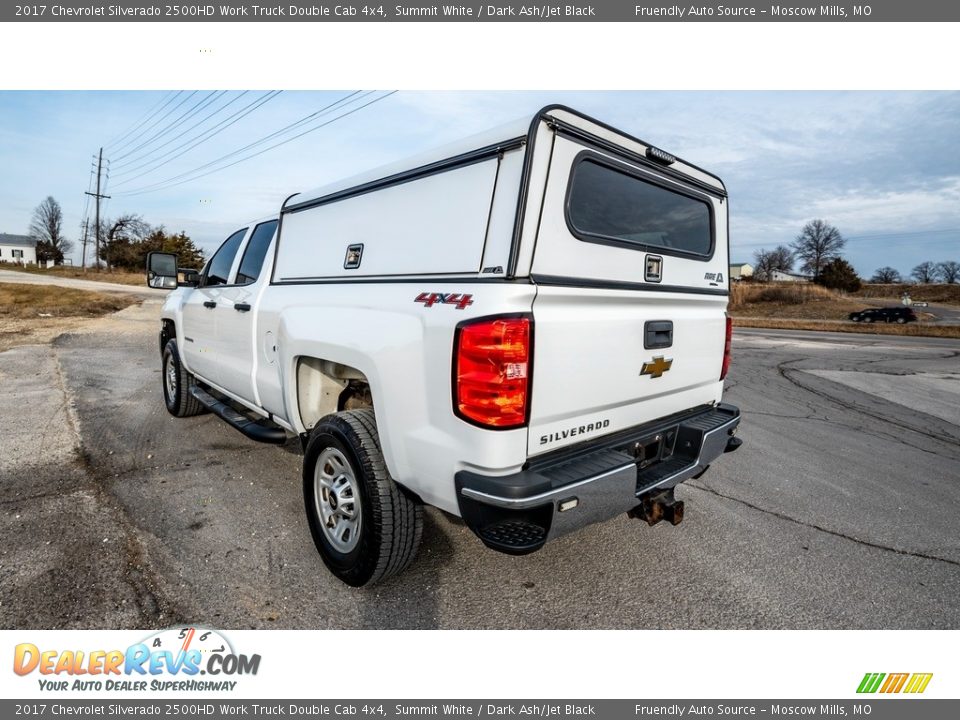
{"points": [[894, 683], [870, 682], [918, 682]]}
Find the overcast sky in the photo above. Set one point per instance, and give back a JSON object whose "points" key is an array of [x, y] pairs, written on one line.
{"points": [[884, 167]]}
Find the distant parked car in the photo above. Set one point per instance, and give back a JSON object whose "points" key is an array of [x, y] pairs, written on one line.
{"points": [[899, 315]]}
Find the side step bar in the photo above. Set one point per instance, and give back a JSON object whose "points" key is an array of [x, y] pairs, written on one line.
{"points": [[253, 429]]}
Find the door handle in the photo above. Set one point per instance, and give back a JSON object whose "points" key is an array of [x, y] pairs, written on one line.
{"points": [[657, 334], [241, 307], [209, 303]]}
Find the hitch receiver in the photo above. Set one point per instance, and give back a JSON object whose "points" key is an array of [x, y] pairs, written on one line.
{"points": [[658, 506]]}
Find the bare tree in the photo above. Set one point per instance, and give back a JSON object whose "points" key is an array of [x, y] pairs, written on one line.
{"points": [[120, 235], [762, 265], [817, 244], [925, 272], [886, 275], [949, 271], [765, 262], [46, 227]]}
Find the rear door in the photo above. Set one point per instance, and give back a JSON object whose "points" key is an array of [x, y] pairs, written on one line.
{"points": [[631, 266]]}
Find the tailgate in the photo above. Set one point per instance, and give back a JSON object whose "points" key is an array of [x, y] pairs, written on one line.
{"points": [[631, 264]]}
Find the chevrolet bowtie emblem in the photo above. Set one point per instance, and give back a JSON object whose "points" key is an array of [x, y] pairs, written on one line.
{"points": [[656, 367]]}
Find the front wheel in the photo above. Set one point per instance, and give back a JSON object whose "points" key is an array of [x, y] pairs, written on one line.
{"points": [[177, 383], [364, 525]]}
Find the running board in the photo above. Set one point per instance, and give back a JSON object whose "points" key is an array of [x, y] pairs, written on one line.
{"points": [[253, 429]]}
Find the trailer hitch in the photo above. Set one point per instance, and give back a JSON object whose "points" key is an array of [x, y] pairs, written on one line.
{"points": [[657, 506]]}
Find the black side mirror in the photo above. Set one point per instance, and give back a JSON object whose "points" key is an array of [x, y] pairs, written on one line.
{"points": [[162, 270], [188, 277]]}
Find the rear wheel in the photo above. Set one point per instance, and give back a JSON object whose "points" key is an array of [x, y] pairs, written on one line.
{"points": [[856, 318], [177, 383], [868, 319], [364, 525], [901, 320]]}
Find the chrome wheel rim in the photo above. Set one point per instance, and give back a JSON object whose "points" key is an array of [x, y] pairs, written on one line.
{"points": [[170, 378], [336, 496]]}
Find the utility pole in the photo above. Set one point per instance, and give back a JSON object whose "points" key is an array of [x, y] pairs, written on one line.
{"points": [[97, 196], [83, 256]]}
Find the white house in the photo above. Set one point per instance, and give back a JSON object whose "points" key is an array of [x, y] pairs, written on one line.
{"points": [[780, 276], [740, 271], [18, 249]]}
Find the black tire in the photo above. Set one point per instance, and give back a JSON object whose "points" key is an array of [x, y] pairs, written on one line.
{"points": [[901, 321], [868, 319], [176, 382], [856, 318], [390, 523]]}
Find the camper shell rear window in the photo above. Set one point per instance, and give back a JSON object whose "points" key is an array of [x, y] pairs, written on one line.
{"points": [[614, 205]]}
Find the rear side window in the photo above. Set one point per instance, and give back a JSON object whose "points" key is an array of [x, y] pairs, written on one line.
{"points": [[220, 265], [605, 204], [256, 251]]}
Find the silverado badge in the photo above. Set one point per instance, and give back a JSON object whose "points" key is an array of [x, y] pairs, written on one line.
{"points": [[656, 367]]}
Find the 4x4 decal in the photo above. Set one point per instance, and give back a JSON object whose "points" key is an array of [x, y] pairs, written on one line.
{"points": [[458, 299]]}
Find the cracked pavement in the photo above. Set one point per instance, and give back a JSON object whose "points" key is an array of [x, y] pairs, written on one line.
{"points": [[839, 511]]}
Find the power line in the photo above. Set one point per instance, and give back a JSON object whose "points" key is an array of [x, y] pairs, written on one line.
{"points": [[146, 154], [173, 181], [135, 137], [319, 113], [156, 122], [189, 145], [137, 125], [183, 118]]}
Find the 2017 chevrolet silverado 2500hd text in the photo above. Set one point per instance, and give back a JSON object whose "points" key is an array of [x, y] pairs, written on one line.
{"points": [[527, 331]]}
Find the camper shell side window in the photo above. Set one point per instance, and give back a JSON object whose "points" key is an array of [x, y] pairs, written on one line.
{"points": [[614, 204]]}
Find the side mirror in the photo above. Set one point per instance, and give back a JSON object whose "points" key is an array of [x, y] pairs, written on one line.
{"points": [[162, 270]]}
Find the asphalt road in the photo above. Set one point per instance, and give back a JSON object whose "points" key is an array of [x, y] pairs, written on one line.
{"points": [[840, 510]]}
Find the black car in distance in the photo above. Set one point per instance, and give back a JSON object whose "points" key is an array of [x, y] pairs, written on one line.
{"points": [[899, 315]]}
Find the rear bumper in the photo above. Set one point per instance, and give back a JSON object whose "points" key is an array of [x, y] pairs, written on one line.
{"points": [[519, 513]]}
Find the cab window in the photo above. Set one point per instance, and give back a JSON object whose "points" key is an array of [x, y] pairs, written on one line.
{"points": [[218, 272], [256, 251]]}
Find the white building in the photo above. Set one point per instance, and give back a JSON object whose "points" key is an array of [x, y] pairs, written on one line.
{"points": [[18, 249], [780, 276], [740, 271]]}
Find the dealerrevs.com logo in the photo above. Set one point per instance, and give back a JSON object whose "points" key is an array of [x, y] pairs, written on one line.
{"points": [[179, 659]]}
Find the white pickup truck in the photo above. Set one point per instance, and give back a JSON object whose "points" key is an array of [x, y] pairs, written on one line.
{"points": [[527, 330]]}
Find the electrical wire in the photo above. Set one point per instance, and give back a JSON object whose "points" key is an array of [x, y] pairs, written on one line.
{"points": [[176, 137], [135, 137], [172, 126], [211, 132], [192, 175], [146, 117]]}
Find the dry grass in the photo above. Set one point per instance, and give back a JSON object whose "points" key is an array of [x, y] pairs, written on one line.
{"points": [[790, 300], [935, 293], [39, 301], [121, 277], [913, 329], [39, 313]]}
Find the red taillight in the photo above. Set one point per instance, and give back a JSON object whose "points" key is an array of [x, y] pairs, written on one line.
{"points": [[726, 349], [491, 374]]}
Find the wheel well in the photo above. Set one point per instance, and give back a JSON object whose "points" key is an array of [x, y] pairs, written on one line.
{"points": [[325, 387], [168, 331]]}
